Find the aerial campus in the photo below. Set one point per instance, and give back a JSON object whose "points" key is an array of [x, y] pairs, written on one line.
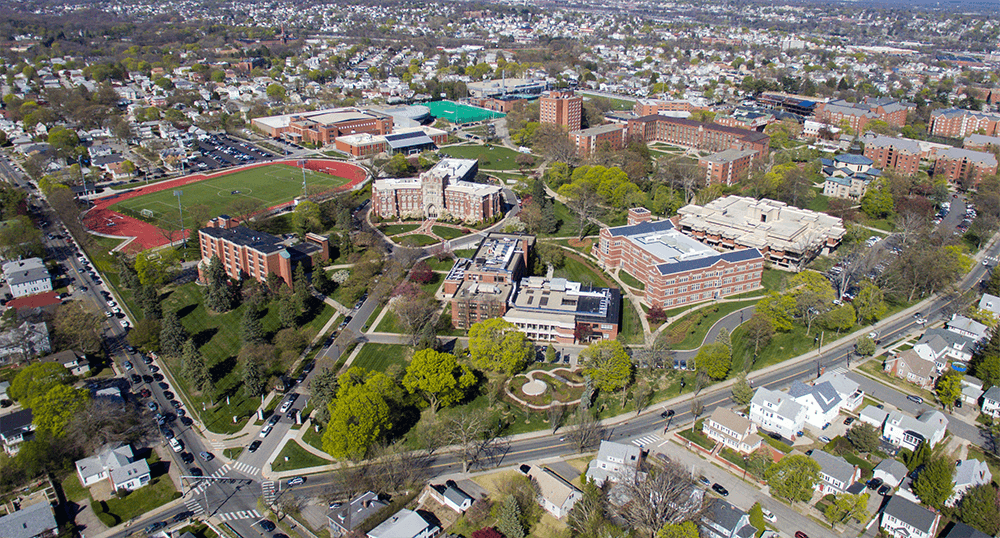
{"points": [[410, 270]]}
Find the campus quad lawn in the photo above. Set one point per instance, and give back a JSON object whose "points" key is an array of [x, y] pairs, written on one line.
{"points": [[445, 232], [419, 240], [394, 229], [378, 357], [493, 157], [298, 458], [270, 185]]}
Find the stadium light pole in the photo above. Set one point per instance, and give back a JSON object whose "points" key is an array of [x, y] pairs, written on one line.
{"points": [[180, 211], [302, 163]]}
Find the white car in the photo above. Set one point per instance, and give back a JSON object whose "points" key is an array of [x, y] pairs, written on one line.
{"points": [[921, 321], [176, 445], [267, 429], [769, 515]]}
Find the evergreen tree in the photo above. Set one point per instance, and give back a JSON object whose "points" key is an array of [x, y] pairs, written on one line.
{"points": [[218, 294], [742, 391], [509, 519], [288, 311], [301, 286], [724, 338], [252, 330], [148, 300], [172, 334], [321, 281], [253, 376], [194, 366]]}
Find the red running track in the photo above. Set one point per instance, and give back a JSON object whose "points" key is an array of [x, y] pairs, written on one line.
{"points": [[103, 220]]}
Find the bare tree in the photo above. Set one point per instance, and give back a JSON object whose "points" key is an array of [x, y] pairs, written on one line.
{"points": [[666, 495], [697, 408], [556, 413], [103, 422], [414, 312], [584, 202], [587, 430], [473, 435]]}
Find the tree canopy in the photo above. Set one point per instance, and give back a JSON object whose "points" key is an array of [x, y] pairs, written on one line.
{"points": [[608, 365], [793, 478], [438, 377], [496, 345]]}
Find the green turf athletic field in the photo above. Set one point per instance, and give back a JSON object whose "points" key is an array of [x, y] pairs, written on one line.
{"points": [[269, 185], [459, 113]]}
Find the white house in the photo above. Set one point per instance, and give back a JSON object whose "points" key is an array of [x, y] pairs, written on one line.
{"points": [[556, 495], [723, 520], [614, 460], [991, 402], [939, 345], [76, 363], [821, 402], [851, 394], [968, 327], [777, 412], [874, 416], [732, 430], [16, 428], [990, 303], [450, 495], [117, 465], [908, 432], [906, 519], [968, 474], [405, 524], [891, 472], [27, 277], [836, 474]]}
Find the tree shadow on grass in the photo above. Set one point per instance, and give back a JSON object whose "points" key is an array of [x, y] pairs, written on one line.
{"points": [[221, 369], [204, 336], [184, 311]]}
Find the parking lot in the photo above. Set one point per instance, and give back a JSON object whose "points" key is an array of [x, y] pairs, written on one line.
{"points": [[220, 151]]}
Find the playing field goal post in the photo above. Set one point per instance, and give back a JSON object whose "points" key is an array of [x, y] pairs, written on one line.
{"points": [[148, 213]]}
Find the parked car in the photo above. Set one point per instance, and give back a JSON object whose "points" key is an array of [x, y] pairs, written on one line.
{"points": [[182, 516], [884, 490], [769, 515], [720, 490], [800, 534], [915, 399], [824, 439], [848, 421], [152, 406], [874, 483], [153, 527], [296, 481], [206, 456], [704, 481], [128, 366], [266, 525]]}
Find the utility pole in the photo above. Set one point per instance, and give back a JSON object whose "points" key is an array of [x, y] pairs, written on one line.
{"points": [[79, 160], [302, 163]]}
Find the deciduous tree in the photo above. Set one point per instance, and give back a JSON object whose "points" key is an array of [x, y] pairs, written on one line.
{"points": [[359, 416], [793, 478], [686, 529], [608, 365], [714, 359], [53, 410], [778, 309], [663, 497], [496, 345], [870, 304], [35, 380], [438, 377], [846, 507], [949, 388]]}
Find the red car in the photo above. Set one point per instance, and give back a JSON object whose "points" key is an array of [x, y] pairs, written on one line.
{"points": [[144, 393]]}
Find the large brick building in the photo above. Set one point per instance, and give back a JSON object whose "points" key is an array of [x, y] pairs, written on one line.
{"points": [[647, 107], [978, 142], [324, 126], [590, 140], [406, 141], [959, 165], [559, 311], [676, 269], [696, 135], [859, 115], [727, 166], [561, 108], [898, 154], [482, 286], [786, 236], [742, 118], [958, 123], [444, 190], [246, 253]]}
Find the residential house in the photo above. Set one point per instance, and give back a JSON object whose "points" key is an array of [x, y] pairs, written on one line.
{"points": [[821, 402], [968, 474], [990, 303], [77, 363], [874, 416], [723, 520], [4, 387], [891, 472], [27, 277], [614, 460], [968, 327], [777, 412], [909, 365], [991, 402], [940, 345], [907, 432], [24, 341], [556, 495], [15, 428], [851, 394], [117, 465], [349, 516], [906, 519], [733, 431], [835, 473], [961, 530], [34, 521], [972, 389], [405, 524], [450, 495]]}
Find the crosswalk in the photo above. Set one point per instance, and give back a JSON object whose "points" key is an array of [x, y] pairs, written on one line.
{"points": [[646, 440], [246, 469], [242, 514], [267, 489], [218, 445], [205, 483], [194, 506]]}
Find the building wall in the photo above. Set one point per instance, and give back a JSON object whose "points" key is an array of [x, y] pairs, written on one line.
{"points": [[31, 288], [587, 144], [359, 150], [561, 108], [961, 170], [963, 125], [728, 172], [690, 134], [890, 157]]}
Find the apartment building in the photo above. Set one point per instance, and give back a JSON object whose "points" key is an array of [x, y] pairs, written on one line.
{"points": [[561, 108], [848, 175], [959, 165], [898, 154], [676, 269], [324, 126], [727, 167], [692, 134], [588, 141], [446, 190], [246, 253], [559, 311], [858, 115], [666, 107], [787, 236], [958, 123], [482, 286], [979, 142], [777, 412]]}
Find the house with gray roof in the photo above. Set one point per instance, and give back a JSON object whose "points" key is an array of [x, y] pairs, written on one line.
{"points": [[118, 465], [874, 416], [990, 303], [961, 530], [34, 521], [613, 461], [940, 345], [906, 519], [777, 412], [723, 520], [405, 524], [24, 341], [891, 472], [851, 394], [347, 517], [16, 428], [27, 277], [556, 495], [733, 431], [968, 474], [905, 431], [909, 365], [836, 474], [450, 495], [969, 328], [991, 402], [821, 402]]}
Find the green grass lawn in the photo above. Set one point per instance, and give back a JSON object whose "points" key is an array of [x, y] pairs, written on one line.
{"points": [[73, 489], [491, 157], [630, 280], [313, 438], [873, 368], [431, 287], [440, 265], [689, 331], [269, 185], [389, 323], [419, 240], [616, 104], [158, 492], [395, 229], [567, 222], [697, 436], [378, 357], [577, 269], [298, 458], [631, 328], [819, 203], [446, 232]]}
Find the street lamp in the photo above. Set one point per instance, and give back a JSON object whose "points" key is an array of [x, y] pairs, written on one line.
{"points": [[745, 467], [180, 211]]}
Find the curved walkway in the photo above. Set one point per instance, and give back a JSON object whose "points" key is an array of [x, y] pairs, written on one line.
{"points": [[550, 373], [730, 321]]}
